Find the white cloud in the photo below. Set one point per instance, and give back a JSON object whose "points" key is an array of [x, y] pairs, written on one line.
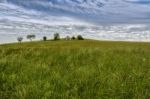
{"points": [[96, 11], [88, 19]]}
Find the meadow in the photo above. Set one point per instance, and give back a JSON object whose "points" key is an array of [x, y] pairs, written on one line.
{"points": [[75, 69]]}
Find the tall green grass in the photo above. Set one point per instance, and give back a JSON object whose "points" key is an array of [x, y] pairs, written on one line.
{"points": [[75, 70]]}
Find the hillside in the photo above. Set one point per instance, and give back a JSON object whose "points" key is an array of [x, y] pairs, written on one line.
{"points": [[75, 70]]}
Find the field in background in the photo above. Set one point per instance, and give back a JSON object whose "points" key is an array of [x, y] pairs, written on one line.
{"points": [[75, 70]]}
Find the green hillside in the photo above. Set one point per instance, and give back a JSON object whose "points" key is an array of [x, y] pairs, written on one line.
{"points": [[75, 70]]}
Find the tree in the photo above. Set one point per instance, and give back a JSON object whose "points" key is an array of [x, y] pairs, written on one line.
{"points": [[73, 38], [56, 36], [31, 36], [44, 38], [68, 38], [20, 39], [79, 37]]}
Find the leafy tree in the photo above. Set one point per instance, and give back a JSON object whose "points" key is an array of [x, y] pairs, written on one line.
{"points": [[31, 36], [20, 39], [56, 36], [79, 37], [68, 38], [44, 38], [73, 38]]}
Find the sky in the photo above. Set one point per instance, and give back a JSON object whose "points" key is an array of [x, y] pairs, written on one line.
{"points": [[19, 17], [86, 11]]}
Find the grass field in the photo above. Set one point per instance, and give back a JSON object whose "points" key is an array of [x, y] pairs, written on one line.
{"points": [[75, 70]]}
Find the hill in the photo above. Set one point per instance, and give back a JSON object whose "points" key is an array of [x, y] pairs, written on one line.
{"points": [[75, 70]]}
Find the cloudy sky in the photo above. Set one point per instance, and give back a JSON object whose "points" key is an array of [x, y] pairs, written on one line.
{"points": [[19, 17], [93, 11]]}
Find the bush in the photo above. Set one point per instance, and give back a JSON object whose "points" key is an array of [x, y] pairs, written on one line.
{"points": [[20, 39], [56, 36], [31, 36], [79, 37], [44, 38]]}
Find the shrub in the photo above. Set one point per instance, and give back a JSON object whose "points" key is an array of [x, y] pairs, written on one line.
{"points": [[56, 36], [79, 37], [20, 39], [31, 36], [44, 38]]}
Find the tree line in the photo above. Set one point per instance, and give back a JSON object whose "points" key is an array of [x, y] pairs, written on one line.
{"points": [[56, 36]]}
